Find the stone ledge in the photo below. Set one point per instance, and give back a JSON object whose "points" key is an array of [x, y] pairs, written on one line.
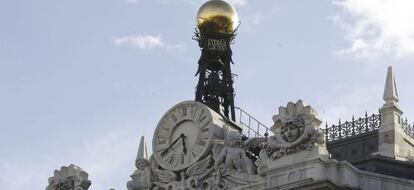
{"points": [[341, 174]]}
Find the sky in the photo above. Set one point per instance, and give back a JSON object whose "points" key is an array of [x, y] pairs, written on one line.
{"points": [[82, 81]]}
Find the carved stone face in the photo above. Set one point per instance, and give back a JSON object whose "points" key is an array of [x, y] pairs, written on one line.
{"points": [[234, 138], [141, 164], [290, 132], [222, 169]]}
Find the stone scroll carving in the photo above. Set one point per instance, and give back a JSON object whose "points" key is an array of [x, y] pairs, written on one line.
{"points": [[69, 177], [194, 177]]}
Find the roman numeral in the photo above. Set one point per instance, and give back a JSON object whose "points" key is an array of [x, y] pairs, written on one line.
{"points": [[165, 127], [202, 118], [203, 137], [199, 113], [163, 133], [184, 111], [202, 143], [166, 155], [193, 155], [196, 151], [162, 141], [160, 148], [193, 111], [174, 118], [171, 159], [204, 128], [182, 159]]}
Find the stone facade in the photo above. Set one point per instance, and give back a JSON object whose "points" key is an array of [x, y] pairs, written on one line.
{"points": [[293, 157], [330, 174]]}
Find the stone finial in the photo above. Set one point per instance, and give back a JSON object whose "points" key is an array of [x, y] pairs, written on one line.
{"points": [[390, 90], [142, 150], [69, 178], [392, 140], [142, 177]]}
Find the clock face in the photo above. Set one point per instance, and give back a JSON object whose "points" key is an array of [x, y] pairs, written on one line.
{"points": [[183, 135]]}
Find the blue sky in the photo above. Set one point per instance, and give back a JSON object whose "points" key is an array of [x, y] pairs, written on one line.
{"points": [[81, 81]]}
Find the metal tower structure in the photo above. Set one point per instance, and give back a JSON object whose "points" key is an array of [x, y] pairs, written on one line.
{"points": [[215, 80]]}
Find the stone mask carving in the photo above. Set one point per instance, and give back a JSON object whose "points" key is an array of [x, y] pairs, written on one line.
{"points": [[296, 128], [291, 132]]}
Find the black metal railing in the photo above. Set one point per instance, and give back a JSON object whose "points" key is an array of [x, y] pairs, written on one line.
{"points": [[250, 125], [356, 127], [408, 128]]}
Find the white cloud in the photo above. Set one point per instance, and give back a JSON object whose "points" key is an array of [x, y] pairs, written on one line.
{"points": [[377, 27], [146, 42], [140, 41]]}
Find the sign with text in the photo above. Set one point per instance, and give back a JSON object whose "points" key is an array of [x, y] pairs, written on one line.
{"points": [[216, 44]]}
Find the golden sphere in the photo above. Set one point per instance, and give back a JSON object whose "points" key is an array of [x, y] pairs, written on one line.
{"points": [[217, 16]]}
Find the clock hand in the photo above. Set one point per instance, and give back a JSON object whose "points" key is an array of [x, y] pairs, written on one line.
{"points": [[172, 144], [183, 140]]}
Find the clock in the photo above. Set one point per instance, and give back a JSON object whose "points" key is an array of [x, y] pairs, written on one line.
{"points": [[185, 134]]}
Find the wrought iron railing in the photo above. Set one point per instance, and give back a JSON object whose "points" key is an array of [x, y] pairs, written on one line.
{"points": [[353, 128], [370, 123], [408, 128], [251, 126]]}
